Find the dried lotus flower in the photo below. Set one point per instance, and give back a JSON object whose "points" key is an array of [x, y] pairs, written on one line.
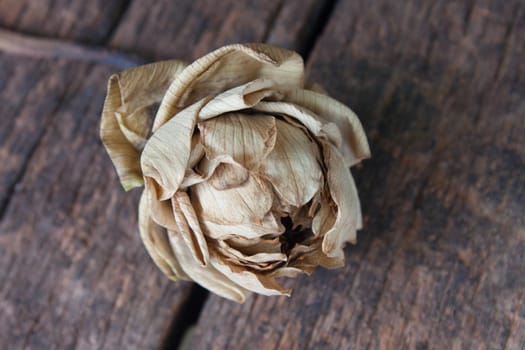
{"points": [[245, 170]]}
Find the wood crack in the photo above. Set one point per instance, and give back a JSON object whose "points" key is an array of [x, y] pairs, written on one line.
{"points": [[185, 318], [319, 19], [116, 22]]}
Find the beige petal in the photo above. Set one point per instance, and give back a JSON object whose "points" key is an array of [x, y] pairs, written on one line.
{"points": [[228, 67], [227, 176], [240, 97], [222, 172], [258, 283], [155, 240], [293, 165], [248, 139], [135, 127], [189, 227], [325, 218], [197, 151], [355, 145], [207, 276], [167, 153], [127, 116], [161, 211], [288, 271], [310, 255], [307, 118], [303, 117], [344, 195], [254, 246], [248, 203], [269, 226]]}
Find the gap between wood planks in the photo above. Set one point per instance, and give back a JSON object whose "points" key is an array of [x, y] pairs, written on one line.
{"points": [[38, 47]]}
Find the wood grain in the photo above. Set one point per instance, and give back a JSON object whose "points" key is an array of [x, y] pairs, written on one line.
{"points": [[86, 21], [190, 28], [75, 273], [440, 87]]}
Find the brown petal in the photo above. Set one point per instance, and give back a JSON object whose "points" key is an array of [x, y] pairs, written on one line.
{"points": [[156, 242], [254, 246], [207, 276], [325, 218], [167, 153], [258, 283], [228, 67], [312, 258], [128, 113], [355, 145], [269, 226], [255, 258], [292, 167], [248, 139], [344, 195]]}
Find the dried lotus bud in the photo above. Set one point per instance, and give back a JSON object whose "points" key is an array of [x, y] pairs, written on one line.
{"points": [[245, 171]]}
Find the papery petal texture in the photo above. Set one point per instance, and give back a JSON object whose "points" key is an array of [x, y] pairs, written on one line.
{"points": [[129, 109]]}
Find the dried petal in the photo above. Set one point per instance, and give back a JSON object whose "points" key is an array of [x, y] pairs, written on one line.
{"points": [[228, 67], [240, 97], [207, 276], [156, 242], [313, 123], [235, 205], [258, 283], [167, 152], [292, 167], [128, 113], [189, 227], [254, 246], [303, 117], [344, 195], [160, 210], [325, 218], [269, 226], [248, 139], [257, 258], [355, 146], [307, 258], [227, 176]]}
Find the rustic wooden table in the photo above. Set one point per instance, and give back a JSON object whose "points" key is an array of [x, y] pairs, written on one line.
{"points": [[440, 88]]}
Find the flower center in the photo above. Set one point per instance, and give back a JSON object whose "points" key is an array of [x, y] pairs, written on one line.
{"points": [[292, 236]]}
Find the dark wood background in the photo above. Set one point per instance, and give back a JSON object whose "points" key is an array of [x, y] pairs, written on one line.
{"points": [[440, 88]]}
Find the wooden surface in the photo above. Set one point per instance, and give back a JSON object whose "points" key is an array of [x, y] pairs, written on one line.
{"points": [[87, 21], [440, 88]]}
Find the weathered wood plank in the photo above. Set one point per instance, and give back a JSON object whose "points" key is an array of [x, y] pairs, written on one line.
{"points": [[87, 21], [190, 28], [74, 271], [440, 87]]}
